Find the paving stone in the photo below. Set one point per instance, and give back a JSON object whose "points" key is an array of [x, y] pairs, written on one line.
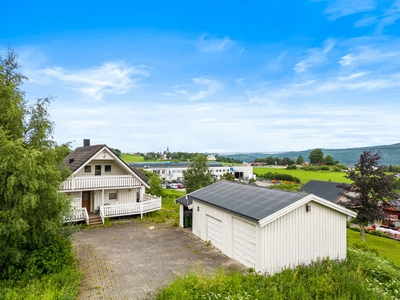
{"points": [[132, 261]]}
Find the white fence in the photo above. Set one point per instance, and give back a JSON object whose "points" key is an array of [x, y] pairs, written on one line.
{"points": [[130, 209], [78, 214], [99, 182]]}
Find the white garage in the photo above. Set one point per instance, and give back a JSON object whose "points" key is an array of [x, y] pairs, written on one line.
{"points": [[268, 229]]}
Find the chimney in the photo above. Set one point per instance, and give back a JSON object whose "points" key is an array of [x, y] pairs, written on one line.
{"points": [[86, 142]]}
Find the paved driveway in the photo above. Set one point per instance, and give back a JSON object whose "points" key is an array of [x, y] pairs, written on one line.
{"points": [[133, 260]]}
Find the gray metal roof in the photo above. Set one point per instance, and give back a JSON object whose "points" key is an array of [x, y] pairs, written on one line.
{"points": [[250, 201], [324, 189]]}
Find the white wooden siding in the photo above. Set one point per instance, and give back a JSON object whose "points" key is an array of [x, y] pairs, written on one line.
{"points": [[300, 237], [124, 196], [244, 243], [214, 232]]}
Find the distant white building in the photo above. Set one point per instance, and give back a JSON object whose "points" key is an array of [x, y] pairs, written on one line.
{"points": [[211, 157], [174, 171]]}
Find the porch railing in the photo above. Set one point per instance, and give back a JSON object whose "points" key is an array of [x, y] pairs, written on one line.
{"points": [[78, 214], [83, 183], [139, 208]]}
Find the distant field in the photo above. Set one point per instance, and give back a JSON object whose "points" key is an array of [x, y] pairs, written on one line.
{"points": [[305, 176], [131, 158]]}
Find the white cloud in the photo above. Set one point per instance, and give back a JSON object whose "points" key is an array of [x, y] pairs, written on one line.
{"points": [[368, 55], [214, 44], [110, 78], [341, 8], [389, 17], [211, 87], [315, 56]]}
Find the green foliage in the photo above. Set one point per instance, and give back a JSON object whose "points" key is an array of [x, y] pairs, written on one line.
{"points": [[279, 176], [154, 183], [228, 176], [61, 285], [291, 167], [370, 185], [300, 160], [31, 208], [316, 156], [270, 160], [286, 187], [324, 168], [169, 212], [116, 151], [197, 176], [224, 159], [329, 160], [362, 276]]}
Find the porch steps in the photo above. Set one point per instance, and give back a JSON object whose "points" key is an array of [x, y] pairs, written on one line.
{"points": [[95, 220]]}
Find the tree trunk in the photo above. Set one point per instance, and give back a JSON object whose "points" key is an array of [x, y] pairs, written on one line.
{"points": [[363, 232]]}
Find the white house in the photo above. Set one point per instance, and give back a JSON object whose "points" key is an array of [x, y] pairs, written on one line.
{"points": [[266, 229], [102, 185]]}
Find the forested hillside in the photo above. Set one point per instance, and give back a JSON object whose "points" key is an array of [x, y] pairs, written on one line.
{"points": [[348, 157]]}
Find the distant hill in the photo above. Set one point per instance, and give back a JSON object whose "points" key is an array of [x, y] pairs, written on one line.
{"points": [[390, 154]]}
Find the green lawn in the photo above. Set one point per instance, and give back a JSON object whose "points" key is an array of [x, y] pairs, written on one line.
{"points": [[386, 248], [131, 158], [303, 175]]}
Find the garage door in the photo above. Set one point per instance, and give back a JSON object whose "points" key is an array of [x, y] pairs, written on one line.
{"points": [[214, 232], [244, 243]]}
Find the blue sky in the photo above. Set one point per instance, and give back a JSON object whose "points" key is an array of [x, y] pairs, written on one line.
{"points": [[212, 76]]}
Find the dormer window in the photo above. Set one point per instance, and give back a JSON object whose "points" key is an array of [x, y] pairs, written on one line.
{"points": [[87, 169]]}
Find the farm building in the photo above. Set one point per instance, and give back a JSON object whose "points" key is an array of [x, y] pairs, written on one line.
{"points": [[267, 229]]}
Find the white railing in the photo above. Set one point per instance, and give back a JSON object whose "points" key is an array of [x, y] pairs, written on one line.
{"points": [[78, 214], [83, 183], [138, 208]]}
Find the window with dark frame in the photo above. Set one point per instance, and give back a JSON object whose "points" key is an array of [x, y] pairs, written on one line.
{"points": [[112, 195], [107, 168], [87, 169], [97, 170]]}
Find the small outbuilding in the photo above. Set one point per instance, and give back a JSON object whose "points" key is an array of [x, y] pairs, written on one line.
{"points": [[267, 229]]}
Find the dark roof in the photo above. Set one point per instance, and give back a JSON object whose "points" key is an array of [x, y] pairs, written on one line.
{"points": [[250, 201], [185, 200], [324, 189], [80, 155], [139, 173], [171, 165]]}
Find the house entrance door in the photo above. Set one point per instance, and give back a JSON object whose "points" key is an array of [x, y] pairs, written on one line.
{"points": [[86, 200]]}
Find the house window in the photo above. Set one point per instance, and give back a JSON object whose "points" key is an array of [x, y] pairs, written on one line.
{"points": [[87, 169], [112, 195], [97, 170], [107, 168]]}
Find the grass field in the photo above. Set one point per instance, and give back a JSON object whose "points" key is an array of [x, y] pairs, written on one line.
{"points": [[131, 158], [386, 248], [305, 176]]}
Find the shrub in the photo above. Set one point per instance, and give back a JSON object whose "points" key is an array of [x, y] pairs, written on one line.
{"points": [[324, 168], [291, 167]]}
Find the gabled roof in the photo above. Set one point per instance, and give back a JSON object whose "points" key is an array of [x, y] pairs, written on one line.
{"points": [[81, 155], [256, 203], [324, 189]]}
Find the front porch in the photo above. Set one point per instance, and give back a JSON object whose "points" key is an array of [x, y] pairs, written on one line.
{"points": [[149, 203]]}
